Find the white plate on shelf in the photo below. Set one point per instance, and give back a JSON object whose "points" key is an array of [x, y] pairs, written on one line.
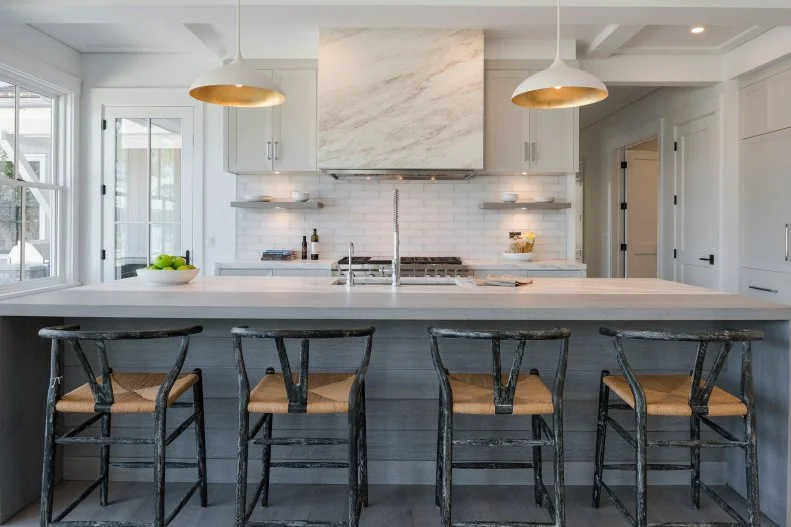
{"points": [[258, 198], [543, 199], [519, 257]]}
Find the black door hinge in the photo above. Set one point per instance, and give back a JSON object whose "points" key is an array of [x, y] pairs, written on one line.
{"points": [[104, 254], [624, 165], [104, 190], [623, 246], [675, 146], [675, 254], [624, 206], [104, 124], [675, 200]]}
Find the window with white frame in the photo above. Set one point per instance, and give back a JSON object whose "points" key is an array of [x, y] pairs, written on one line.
{"points": [[31, 189]]}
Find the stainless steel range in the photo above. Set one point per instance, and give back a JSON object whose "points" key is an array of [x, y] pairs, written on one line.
{"points": [[376, 266]]}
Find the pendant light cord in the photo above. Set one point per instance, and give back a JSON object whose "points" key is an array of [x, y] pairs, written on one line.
{"points": [[558, 48], [239, 29]]}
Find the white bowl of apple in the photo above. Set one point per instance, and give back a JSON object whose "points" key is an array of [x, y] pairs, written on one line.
{"points": [[168, 270]]}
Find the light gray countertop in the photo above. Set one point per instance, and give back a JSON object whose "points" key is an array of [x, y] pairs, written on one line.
{"points": [[493, 264], [315, 298]]}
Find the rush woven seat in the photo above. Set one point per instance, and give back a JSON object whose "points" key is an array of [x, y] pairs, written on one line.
{"points": [[133, 393], [474, 394], [328, 393], [668, 395]]}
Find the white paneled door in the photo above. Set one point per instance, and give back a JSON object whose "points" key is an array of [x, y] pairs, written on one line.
{"points": [[147, 186], [641, 215], [698, 208]]}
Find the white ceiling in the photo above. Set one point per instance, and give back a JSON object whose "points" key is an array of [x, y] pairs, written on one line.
{"points": [[620, 97], [601, 28]]}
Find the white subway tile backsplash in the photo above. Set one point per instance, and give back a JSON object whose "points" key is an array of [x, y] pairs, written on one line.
{"points": [[437, 217]]}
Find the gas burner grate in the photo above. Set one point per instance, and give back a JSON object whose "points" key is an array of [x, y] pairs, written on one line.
{"points": [[356, 260]]}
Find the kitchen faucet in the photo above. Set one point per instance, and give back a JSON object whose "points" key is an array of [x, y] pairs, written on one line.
{"points": [[350, 276], [396, 248]]}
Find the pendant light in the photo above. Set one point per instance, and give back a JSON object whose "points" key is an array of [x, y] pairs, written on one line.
{"points": [[560, 86], [237, 84]]}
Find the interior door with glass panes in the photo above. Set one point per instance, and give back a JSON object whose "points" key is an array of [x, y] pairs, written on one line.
{"points": [[148, 187]]}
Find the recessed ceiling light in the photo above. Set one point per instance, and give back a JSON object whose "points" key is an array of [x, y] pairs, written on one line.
{"points": [[697, 30]]}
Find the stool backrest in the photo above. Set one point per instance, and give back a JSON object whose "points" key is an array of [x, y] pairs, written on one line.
{"points": [[703, 383], [103, 393], [297, 392], [503, 395]]}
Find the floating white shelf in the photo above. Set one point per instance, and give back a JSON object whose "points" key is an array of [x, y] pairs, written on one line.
{"points": [[272, 205], [501, 205]]}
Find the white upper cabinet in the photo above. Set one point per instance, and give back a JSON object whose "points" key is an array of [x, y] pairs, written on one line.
{"points": [[766, 106], [522, 140], [277, 139]]}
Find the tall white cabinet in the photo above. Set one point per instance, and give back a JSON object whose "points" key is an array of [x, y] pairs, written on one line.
{"points": [[521, 140], [277, 139], [765, 192]]}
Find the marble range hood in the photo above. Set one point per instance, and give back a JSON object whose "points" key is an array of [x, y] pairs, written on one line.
{"points": [[401, 103]]}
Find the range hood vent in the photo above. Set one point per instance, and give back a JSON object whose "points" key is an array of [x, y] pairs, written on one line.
{"points": [[402, 175], [403, 103]]}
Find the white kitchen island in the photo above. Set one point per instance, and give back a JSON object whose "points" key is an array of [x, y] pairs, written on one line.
{"points": [[402, 386]]}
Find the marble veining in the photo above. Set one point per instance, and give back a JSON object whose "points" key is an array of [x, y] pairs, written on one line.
{"points": [[401, 99]]}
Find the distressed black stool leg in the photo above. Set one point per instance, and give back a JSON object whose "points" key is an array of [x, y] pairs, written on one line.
{"points": [[694, 435], [104, 461], [200, 437], [241, 468], [447, 467], [48, 474], [363, 449], [641, 472], [160, 439], [355, 504], [267, 460], [560, 474], [601, 438], [438, 484], [751, 455], [537, 463]]}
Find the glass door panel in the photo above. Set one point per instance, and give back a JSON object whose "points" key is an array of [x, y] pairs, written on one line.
{"points": [[147, 189]]}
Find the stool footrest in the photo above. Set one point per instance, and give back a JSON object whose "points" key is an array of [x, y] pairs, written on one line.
{"points": [[308, 464], [149, 464], [93, 440], [301, 441], [490, 466], [94, 523], [286, 523], [502, 524], [649, 466], [503, 442]]}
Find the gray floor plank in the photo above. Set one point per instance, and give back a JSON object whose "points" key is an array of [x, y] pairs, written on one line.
{"points": [[391, 505]]}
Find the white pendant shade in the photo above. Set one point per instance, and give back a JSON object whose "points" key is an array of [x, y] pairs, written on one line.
{"points": [[560, 86], [237, 84]]}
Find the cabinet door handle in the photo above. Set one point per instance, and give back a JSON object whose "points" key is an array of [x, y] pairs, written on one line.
{"points": [[710, 259], [764, 289], [277, 150], [533, 152], [788, 256], [269, 150], [527, 151]]}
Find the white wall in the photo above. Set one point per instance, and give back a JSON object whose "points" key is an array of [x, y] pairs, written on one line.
{"points": [[654, 115]]}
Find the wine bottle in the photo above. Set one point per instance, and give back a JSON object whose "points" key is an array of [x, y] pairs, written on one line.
{"points": [[304, 247], [314, 246]]}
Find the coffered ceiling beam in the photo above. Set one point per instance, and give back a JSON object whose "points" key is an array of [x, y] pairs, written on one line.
{"points": [[611, 39], [664, 70], [208, 36]]}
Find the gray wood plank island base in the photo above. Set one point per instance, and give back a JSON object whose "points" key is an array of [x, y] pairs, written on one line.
{"points": [[401, 384]]}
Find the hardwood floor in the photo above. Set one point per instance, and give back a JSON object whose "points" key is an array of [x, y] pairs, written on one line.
{"points": [[390, 505]]}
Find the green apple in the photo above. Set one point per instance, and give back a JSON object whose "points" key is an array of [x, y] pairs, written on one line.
{"points": [[178, 261], [168, 269], [152, 268], [163, 260], [191, 267], [182, 268]]}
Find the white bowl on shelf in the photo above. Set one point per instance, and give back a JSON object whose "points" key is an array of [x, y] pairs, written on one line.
{"points": [[510, 197], [297, 196], [258, 198], [519, 257], [544, 199], [158, 277]]}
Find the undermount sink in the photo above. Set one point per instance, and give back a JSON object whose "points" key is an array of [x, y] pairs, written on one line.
{"points": [[406, 280]]}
